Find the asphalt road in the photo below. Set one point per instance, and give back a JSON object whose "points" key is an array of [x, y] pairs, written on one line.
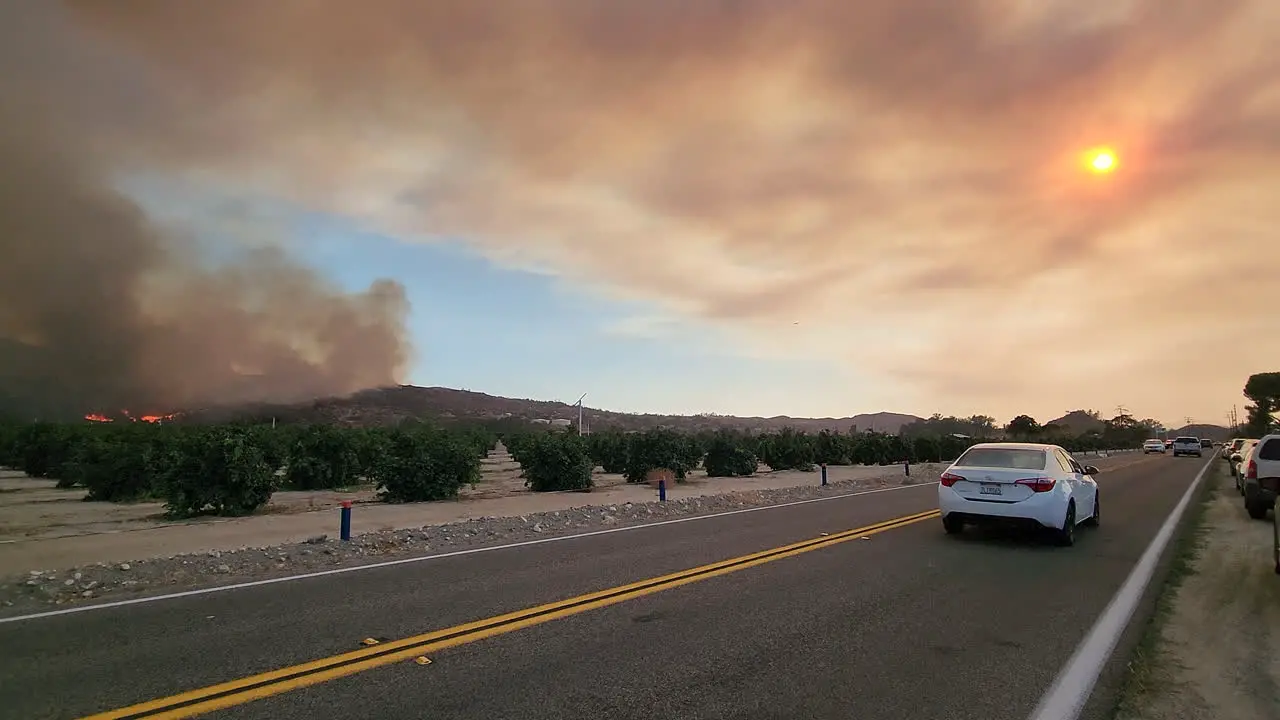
{"points": [[908, 623]]}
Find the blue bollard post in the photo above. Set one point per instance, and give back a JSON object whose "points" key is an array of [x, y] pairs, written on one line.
{"points": [[344, 530], [824, 473], [906, 467], [662, 491]]}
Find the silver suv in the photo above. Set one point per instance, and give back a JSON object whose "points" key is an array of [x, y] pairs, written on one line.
{"points": [[1187, 446]]}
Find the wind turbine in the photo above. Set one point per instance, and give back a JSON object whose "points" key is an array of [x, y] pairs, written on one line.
{"points": [[579, 404]]}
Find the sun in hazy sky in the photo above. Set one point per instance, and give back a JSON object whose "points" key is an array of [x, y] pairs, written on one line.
{"points": [[1101, 160]]}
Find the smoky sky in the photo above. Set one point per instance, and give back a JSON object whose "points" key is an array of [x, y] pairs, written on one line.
{"points": [[100, 309], [891, 185]]}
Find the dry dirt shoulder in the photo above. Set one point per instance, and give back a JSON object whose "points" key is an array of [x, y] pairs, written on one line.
{"points": [[1213, 649]]}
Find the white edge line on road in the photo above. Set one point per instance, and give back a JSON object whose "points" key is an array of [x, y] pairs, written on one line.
{"points": [[439, 556], [1071, 689]]}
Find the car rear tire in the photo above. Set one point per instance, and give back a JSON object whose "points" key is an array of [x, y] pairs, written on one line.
{"points": [[1256, 510], [952, 524], [1066, 535], [1097, 512]]}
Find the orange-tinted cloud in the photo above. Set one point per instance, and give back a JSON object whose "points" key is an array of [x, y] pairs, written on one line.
{"points": [[902, 173]]}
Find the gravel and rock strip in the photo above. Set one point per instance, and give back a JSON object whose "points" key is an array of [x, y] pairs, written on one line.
{"points": [[40, 590]]}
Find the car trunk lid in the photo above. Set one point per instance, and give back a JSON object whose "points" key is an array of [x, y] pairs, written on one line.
{"points": [[996, 484]]}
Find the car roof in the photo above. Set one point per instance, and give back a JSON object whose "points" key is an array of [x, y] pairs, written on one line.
{"points": [[1015, 446]]}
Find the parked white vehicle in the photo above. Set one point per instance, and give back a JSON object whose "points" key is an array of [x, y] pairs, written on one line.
{"points": [[1260, 476], [1153, 445], [1028, 482], [1237, 461]]}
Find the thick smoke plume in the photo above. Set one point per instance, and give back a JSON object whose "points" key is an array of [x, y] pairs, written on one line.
{"points": [[101, 310]]}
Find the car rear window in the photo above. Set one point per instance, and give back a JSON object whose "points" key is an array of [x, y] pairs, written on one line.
{"points": [[1270, 450], [1186, 440], [1016, 458]]}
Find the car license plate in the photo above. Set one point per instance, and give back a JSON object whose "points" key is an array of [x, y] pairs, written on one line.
{"points": [[991, 489]]}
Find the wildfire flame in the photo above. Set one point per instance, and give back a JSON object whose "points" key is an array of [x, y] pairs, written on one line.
{"points": [[96, 417]]}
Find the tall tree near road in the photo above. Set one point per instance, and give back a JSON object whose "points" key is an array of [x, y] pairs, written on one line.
{"points": [[1023, 426], [1264, 390], [1151, 427], [1123, 430]]}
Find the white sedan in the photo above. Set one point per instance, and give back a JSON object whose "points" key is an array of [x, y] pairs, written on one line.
{"points": [[1152, 446], [1028, 482]]}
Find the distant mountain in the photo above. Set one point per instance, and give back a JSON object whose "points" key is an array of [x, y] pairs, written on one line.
{"points": [[1079, 422], [1202, 430], [390, 405], [1082, 421]]}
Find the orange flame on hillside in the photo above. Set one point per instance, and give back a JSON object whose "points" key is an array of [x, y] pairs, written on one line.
{"points": [[95, 417], [149, 418]]}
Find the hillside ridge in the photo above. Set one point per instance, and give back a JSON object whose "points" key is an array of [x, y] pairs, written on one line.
{"points": [[391, 405]]}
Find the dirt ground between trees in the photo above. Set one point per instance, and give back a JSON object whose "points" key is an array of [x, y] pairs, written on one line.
{"points": [[1217, 652]]}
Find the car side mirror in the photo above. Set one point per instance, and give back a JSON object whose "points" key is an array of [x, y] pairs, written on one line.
{"points": [[1091, 470]]}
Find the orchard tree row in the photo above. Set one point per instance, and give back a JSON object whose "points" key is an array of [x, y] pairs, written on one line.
{"points": [[234, 469], [562, 460]]}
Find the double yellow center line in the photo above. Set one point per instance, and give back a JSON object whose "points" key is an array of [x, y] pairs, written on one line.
{"points": [[255, 687]]}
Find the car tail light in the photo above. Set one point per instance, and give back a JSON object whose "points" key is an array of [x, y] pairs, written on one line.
{"points": [[949, 479], [1039, 484], [1252, 472]]}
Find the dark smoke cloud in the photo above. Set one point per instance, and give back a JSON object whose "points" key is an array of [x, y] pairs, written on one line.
{"points": [[100, 310]]}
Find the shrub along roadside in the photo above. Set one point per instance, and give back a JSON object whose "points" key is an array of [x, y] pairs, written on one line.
{"points": [[322, 457], [557, 461], [117, 468], [421, 465], [43, 449], [660, 448], [787, 450], [218, 471], [609, 450], [730, 454]]}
